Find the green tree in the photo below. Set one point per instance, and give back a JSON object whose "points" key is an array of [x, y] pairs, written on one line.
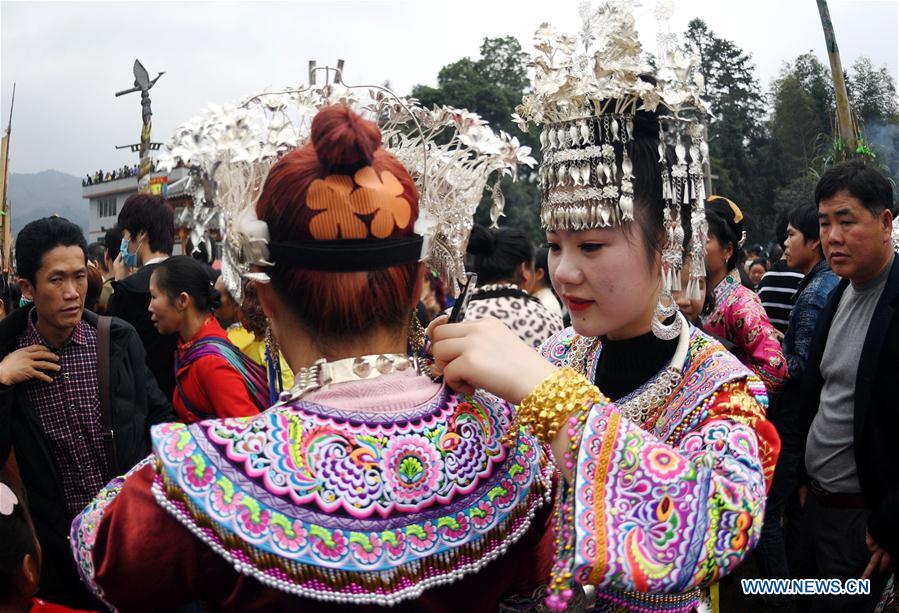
{"points": [[492, 86], [736, 129], [796, 128], [815, 80], [872, 92]]}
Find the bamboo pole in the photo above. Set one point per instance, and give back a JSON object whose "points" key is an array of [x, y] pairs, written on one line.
{"points": [[845, 125], [5, 212]]}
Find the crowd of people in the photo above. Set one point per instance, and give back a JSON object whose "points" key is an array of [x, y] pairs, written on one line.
{"points": [[616, 421], [103, 177]]}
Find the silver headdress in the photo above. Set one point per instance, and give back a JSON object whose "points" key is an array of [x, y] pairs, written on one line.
{"points": [[588, 90], [451, 155]]}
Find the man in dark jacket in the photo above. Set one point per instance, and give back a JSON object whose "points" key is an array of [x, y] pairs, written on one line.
{"points": [[50, 406], [850, 526], [148, 235]]}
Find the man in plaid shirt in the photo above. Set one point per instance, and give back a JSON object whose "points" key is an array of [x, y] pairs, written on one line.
{"points": [[50, 412]]}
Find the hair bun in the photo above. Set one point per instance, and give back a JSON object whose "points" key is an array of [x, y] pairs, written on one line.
{"points": [[482, 241], [214, 298], [343, 138]]}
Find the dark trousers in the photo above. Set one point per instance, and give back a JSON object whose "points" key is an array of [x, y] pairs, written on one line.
{"points": [[776, 551], [833, 546], [783, 517]]}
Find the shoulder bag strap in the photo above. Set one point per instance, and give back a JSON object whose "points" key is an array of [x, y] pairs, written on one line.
{"points": [[107, 433]]}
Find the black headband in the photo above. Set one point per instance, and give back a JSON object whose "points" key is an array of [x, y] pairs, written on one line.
{"points": [[357, 255]]}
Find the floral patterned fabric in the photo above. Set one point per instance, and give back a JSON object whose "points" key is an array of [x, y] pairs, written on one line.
{"points": [[348, 506], [83, 533], [669, 506], [740, 318]]}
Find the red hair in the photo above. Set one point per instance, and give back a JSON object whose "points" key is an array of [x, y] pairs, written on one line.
{"points": [[336, 305]]}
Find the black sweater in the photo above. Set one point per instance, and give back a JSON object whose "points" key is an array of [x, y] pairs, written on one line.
{"points": [[130, 301], [627, 364]]}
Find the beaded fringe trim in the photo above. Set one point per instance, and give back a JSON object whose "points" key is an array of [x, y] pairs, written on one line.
{"points": [[379, 588], [652, 603]]}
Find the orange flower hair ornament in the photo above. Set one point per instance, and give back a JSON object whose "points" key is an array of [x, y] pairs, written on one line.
{"points": [[343, 200]]}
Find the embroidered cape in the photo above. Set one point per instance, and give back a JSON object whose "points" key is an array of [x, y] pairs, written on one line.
{"points": [[345, 506], [671, 505]]}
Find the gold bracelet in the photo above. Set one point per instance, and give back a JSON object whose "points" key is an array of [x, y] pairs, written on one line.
{"points": [[545, 409]]}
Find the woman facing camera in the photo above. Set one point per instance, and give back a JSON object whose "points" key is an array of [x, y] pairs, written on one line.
{"points": [[659, 432], [368, 483]]}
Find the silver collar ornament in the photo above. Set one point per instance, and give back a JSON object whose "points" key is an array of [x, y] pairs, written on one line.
{"points": [[324, 373]]}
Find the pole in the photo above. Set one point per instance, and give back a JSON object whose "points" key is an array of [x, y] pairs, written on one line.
{"points": [[845, 125], [143, 84], [5, 212]]}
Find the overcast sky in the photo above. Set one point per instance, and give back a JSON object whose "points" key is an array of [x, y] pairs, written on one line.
{"points": [[68, 59]]}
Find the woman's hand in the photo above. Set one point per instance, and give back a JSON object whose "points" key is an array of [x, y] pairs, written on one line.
{"points": [[485, 354]]}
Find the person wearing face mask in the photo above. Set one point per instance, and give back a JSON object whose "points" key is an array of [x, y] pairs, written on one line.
{"points": [[659, 433], [368, 484], [148, 234]]}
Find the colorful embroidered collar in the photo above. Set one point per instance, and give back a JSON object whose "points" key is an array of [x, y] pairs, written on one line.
{"points": [[339, 507], [730, 282]]}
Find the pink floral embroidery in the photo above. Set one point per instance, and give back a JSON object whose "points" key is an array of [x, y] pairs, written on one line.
{"points": [[455, 528], [394, 542], [365, 548], [506, 495], [330, 545], [289, 536], [197, 472], [412, 468], [662, 462], [421, 538], [254, 520], [225, 502], [482, 515], [178, 442]]}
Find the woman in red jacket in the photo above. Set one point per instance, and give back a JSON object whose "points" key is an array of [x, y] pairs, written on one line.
{"points": [[214, 379]]}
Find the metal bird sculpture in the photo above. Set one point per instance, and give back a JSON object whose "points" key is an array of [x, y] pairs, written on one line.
{"points": [[142, 84]]}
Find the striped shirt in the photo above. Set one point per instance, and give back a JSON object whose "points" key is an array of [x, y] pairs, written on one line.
{"points": [[776, 292]]}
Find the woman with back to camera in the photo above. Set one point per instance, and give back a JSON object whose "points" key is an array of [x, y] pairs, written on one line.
{"points": [[659, 432], [540, 285], [212, 377], [739, 315], [369, 483], [502, 260]]}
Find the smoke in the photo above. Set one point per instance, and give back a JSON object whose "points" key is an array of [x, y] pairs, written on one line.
{"points": [[883, 138]]}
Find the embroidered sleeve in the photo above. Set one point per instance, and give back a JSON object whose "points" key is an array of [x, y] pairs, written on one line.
{"points": [[749, 328], [655, 517], [83, 532]]}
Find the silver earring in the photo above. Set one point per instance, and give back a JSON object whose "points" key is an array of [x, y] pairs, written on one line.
{"points": [[663, 313]]}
